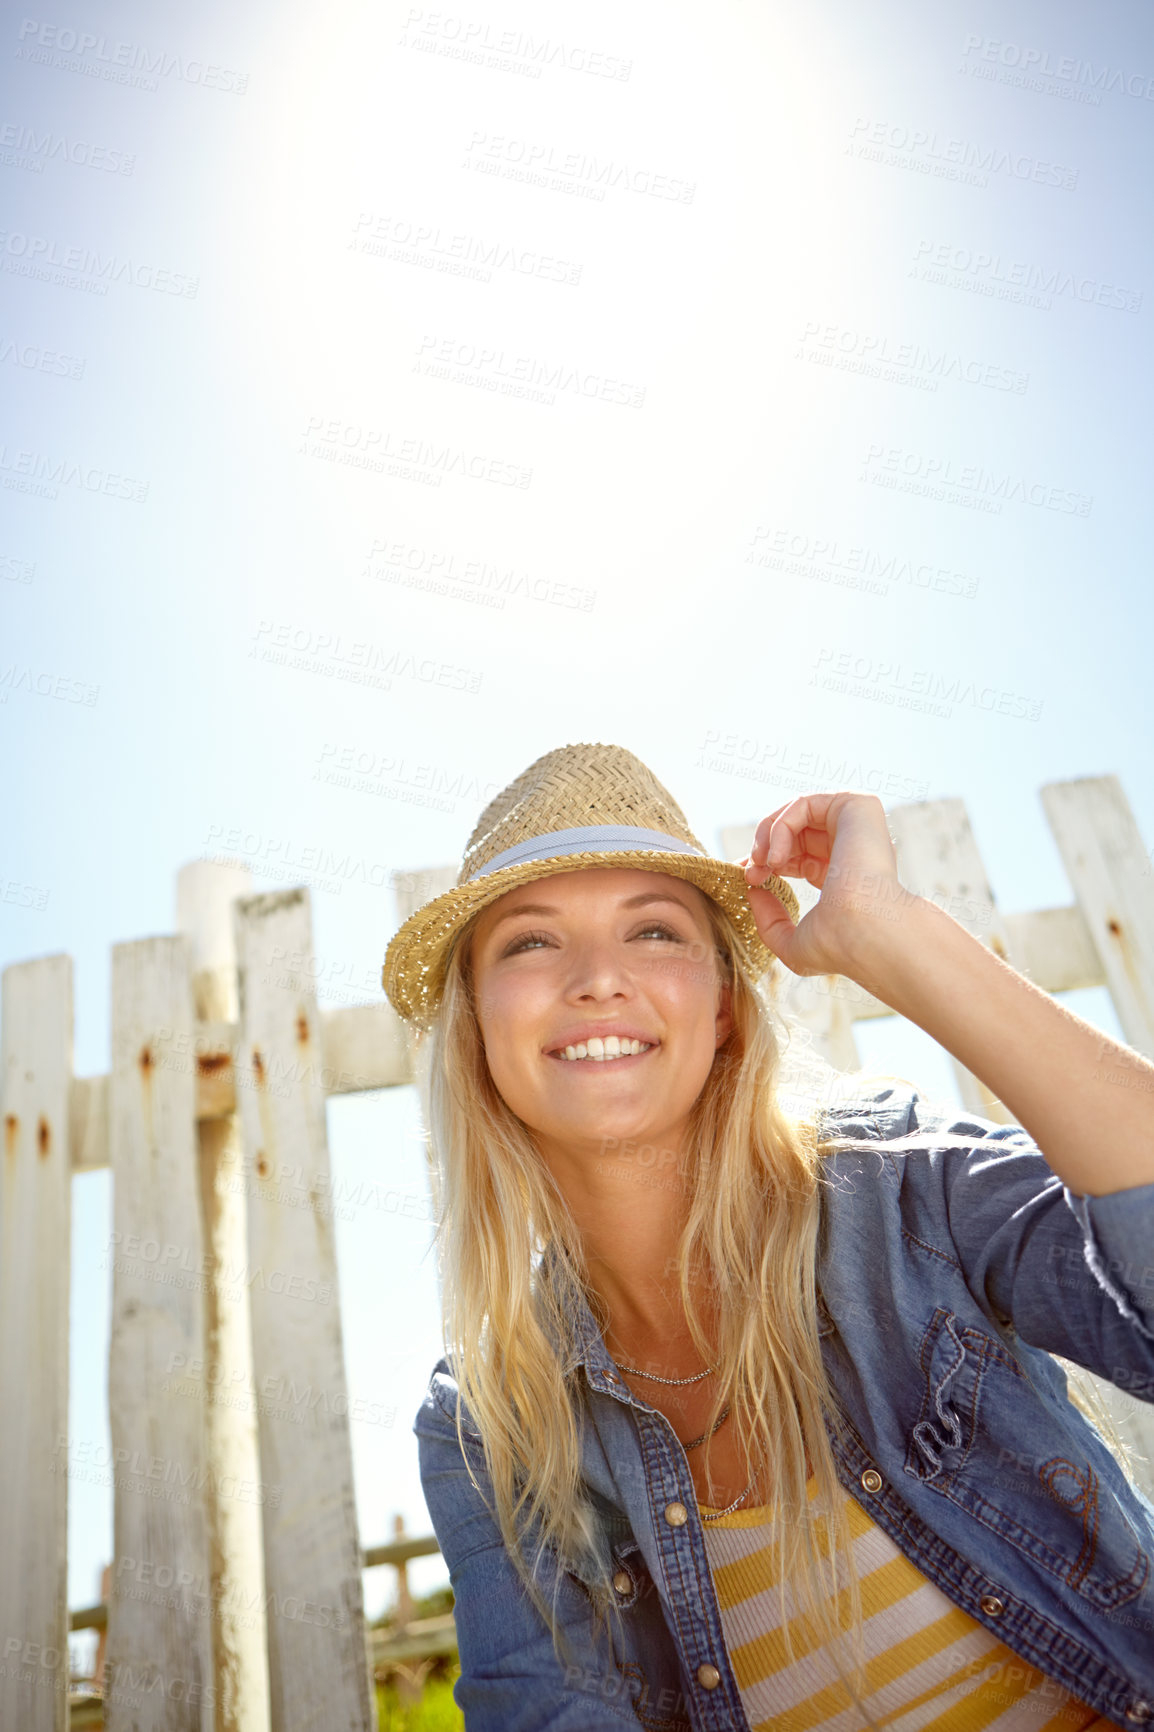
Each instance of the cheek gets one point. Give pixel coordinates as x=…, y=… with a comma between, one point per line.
x=686, y=992
x=507, y=1036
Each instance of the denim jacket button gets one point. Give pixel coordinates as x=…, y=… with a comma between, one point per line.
x=992, y=1606
x=676, y=1515
x=1139, y=1712
x=708, y=1677
x=872, y=1479
x=622, y=1582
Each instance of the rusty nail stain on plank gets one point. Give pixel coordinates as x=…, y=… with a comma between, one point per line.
x=302, y=1028
x=258, y=1066
x=146, y=1059
x=43, y=1137
x=11, y=1132
x=207, y=1063
x=1113, y=929
x=261, y=1164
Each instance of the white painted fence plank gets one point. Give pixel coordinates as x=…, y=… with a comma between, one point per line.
x=364, y=1047
x=158, y=1676
x=1054, y=948
x=1106, y=862
x=205, y=893
x=35, y=1216
x=88, y=1123
x=938, y=859
x=318, y=1660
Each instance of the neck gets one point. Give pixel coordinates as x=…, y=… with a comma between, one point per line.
x=630, y=1219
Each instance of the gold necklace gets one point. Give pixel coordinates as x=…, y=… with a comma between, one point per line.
x=634, y=1371
x=714, y=1428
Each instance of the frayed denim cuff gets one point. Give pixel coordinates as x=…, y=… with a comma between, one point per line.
x=1118, y=1242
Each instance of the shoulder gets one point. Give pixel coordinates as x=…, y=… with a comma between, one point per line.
x=894, y=1111
x=925, y=1150
x=437, y=1413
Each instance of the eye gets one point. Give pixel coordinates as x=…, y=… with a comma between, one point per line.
x=657, y=929
x=525, y=941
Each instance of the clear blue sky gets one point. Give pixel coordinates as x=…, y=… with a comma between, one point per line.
x=608, y=316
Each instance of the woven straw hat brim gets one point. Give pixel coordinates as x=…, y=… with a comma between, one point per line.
x=413, y=975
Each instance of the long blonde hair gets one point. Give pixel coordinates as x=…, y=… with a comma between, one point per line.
x=752, y=1174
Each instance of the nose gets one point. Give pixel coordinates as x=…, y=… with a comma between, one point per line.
x=597, y=974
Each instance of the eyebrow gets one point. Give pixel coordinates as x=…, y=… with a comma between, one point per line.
x=641, y=901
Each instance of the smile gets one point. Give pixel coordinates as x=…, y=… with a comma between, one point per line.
x=601, y=1051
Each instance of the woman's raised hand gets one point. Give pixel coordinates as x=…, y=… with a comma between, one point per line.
x=840, y=843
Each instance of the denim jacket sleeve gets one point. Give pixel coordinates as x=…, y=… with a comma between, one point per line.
x=511, y=1679
x=1073, y=1275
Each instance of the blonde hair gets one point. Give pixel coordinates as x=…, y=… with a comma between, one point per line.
x=751, y=1172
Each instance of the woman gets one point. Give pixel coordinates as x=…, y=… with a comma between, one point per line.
x=749, y=1416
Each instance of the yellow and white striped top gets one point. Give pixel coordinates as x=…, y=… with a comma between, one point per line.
x=930, y=1667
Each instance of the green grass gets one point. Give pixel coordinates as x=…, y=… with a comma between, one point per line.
x=435, y=1712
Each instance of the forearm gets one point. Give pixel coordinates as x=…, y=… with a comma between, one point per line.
x=1086, y=1100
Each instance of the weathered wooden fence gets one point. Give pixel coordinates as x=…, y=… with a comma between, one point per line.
x=236, y=1599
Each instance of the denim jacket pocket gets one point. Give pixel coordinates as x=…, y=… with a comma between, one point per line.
x=972, y=1443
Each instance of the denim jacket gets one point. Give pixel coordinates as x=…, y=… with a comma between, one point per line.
x=947, y=1277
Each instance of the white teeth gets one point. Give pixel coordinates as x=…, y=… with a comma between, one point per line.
x=605, y=1051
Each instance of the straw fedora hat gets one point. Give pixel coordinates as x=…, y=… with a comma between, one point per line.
x=577, y=807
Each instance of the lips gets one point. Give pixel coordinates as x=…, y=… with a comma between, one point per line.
x=607, y=1049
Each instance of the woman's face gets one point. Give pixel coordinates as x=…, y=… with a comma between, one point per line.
x=578, y=963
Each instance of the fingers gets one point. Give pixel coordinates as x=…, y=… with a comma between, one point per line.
x=793, y=834
x=774, y=924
